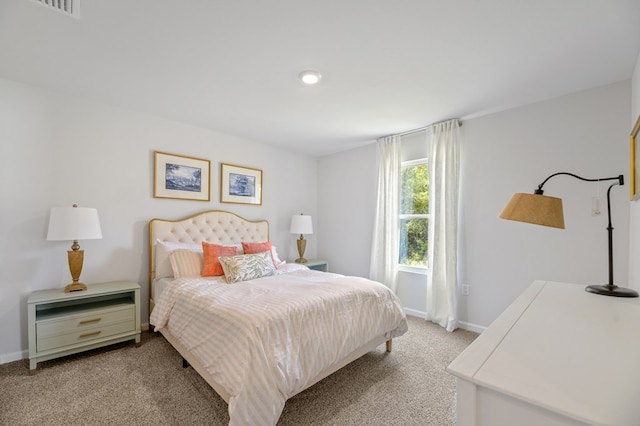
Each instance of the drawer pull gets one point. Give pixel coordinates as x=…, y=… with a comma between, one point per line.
x=91, y=321
x=95, y=333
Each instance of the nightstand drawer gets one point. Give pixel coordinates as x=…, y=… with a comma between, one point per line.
x=54, y=333
x=53, y=342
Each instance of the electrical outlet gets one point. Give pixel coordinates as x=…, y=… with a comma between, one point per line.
x=465, y=289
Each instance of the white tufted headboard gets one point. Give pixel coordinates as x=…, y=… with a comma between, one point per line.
x=214, y=226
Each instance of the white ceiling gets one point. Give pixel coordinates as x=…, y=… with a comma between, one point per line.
x=388, y=66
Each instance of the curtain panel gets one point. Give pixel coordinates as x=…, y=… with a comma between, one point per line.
x=444, y=180
x=386, y=239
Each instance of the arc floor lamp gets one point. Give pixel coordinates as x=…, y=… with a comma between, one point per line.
x=543, y=210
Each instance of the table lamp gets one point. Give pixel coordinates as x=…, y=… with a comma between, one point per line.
x=540, y=209
x=301, y=224
x=74, y=223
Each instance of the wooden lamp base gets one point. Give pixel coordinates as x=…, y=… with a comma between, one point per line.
x=76, y=258
x=75, y=287
x=302, y=245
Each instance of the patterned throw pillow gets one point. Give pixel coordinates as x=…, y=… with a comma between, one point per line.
x=211, y=253
x=186, y=263
x=247, y=266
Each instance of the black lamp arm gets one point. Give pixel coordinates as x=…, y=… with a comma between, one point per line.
x=619, y=178
x=609, y=289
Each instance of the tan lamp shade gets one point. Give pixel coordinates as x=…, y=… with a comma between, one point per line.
x=536, y=209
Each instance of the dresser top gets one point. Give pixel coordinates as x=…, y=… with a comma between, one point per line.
x=561, y=348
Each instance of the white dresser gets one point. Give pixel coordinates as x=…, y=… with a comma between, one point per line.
x=557, y=356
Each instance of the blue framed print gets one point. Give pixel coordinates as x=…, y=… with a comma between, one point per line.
x=181, y=177
x=240, y=185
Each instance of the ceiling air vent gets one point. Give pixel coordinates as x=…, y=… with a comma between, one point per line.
x=67, y=7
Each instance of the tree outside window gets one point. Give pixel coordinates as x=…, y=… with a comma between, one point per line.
x=414, y=213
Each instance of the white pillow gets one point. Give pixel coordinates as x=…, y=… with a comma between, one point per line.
x=247, y=266
x=287, y=268
x=164, y=249
x=186, y=263
x=276, y=259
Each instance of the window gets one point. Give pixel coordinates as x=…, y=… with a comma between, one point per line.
x=414, y=214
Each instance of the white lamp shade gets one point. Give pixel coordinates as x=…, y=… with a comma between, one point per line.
x=301, y=224
x=74, y=223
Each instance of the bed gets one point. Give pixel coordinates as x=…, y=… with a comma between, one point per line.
x=259, y=341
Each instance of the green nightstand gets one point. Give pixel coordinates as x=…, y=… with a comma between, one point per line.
x=317, y=265
x=66, y=323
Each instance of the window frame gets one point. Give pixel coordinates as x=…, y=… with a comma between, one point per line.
x=402, y=267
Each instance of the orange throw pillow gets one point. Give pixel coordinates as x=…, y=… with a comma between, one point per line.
x=253, y=248
x=210, y=254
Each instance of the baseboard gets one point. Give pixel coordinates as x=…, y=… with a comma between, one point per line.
x=471, y=327
x=415, y=313
x=15, y=356
x=461, y=324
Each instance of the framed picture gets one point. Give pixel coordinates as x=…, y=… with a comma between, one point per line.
x=240, y=185
x=633, y=156
x=181, y=177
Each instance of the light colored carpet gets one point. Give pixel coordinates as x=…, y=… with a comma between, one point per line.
x=124, y=385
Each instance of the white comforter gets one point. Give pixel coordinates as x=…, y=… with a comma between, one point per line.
x=265, y=340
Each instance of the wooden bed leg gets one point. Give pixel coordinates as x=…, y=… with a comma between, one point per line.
x=389, y=345
x=185, y=363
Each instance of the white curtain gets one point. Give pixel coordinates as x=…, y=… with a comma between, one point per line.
x=385, y=250
x=444, y=172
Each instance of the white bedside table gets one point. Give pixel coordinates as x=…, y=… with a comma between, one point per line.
x=66, y=323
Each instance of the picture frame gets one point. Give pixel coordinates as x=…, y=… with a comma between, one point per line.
x=633, y=157
x=240, y=185
x=181, y=177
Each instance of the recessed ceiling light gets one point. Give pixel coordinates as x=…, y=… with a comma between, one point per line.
x=310, y=77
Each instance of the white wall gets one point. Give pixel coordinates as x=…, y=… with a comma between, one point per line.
x=585, y=133
x=58, y=150
x=346, y=202
x=634, y=206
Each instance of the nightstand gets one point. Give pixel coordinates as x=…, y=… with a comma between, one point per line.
x=317, y=265
x=66, y=323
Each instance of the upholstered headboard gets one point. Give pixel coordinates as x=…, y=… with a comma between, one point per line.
x=214, y=226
